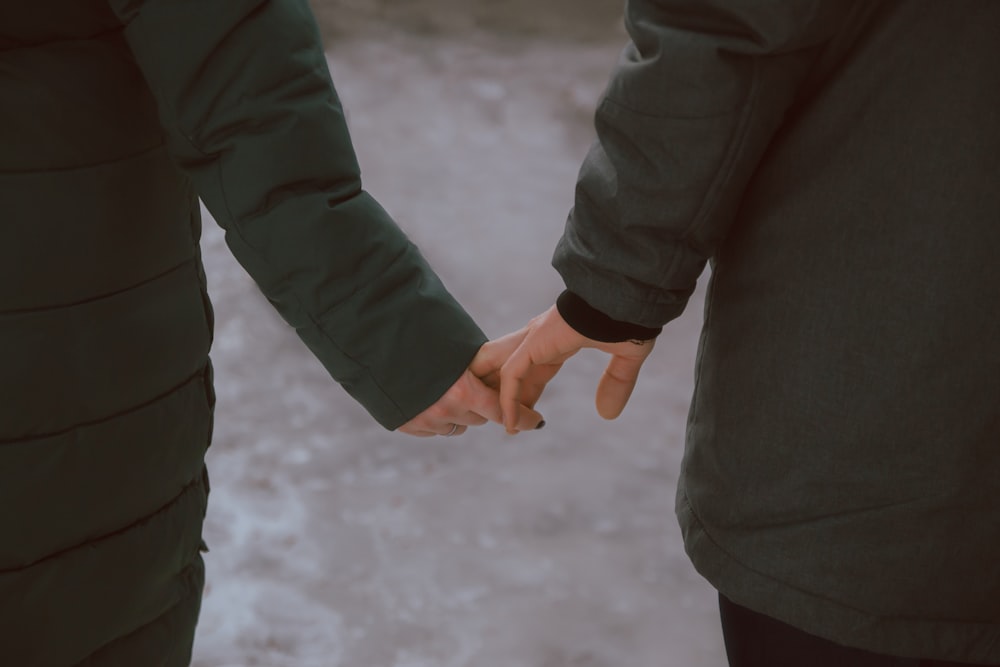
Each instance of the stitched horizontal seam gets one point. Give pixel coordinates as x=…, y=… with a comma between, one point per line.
x=92, y=165
x=797, y=589
x=121, y=413
x=62, y=40
x=191, y=592
x=712, y=540
x=142, y=283
x=197, y=481
x=676, y=116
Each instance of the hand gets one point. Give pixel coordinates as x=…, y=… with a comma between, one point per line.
x=529, y=358
x=469, y=402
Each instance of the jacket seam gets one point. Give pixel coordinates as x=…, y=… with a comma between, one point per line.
x=700, y=355
x=781, y=582
x=724, y=551
x=671, y=116
x=41, y=44
x=82, y=167
x=185, y=575
x=99, y=297
x=312, y=318
x=121, y=413
x=197, y=481
x=736, y=149
x=235, y=228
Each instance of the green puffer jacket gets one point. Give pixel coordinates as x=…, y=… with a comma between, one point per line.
x=105, y=325
x=840, y=163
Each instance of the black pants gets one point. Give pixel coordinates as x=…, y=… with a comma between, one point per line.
x=755, y=640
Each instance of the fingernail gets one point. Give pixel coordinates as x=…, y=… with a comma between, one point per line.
x=541, y=425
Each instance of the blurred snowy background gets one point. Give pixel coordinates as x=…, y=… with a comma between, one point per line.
x=338, y=544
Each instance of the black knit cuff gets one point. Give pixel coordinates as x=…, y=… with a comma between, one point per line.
x=595, y=325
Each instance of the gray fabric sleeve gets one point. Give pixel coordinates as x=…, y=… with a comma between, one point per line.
x=689, y=111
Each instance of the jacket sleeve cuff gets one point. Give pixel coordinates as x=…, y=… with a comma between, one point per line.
x=595, y=325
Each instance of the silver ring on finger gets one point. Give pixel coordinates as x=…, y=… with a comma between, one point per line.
x=454, y=427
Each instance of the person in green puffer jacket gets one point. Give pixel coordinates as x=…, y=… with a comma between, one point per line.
x=116, y=116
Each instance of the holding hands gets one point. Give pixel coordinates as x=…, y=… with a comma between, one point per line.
x=509, y=374
x=469, y=402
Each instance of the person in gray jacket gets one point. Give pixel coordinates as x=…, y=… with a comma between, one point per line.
x=838, y=163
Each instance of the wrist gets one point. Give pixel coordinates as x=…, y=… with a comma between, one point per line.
x=595, y=325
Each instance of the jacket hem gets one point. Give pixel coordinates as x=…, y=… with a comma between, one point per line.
x=970, y=642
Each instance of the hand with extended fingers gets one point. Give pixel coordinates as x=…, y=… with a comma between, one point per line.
x=469, y=402
x=523, y=362
x=508, y=375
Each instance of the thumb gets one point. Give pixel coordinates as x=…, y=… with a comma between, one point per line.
x=616, y=385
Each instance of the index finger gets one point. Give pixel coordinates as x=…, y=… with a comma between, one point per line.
x=492, y=355
x=511, y=377
x=484, y=402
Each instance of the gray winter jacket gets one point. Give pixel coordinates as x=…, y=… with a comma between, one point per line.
x=839, y=164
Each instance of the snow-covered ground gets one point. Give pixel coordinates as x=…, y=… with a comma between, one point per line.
x=337, y=544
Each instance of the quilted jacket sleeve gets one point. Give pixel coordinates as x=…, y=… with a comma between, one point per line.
x=251, y=114
x=696, y=97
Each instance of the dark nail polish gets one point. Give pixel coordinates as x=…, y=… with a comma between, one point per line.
x=541, y=424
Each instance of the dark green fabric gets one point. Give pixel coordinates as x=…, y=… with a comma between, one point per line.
x=839, y=162
x=253, y=118
x=106, y=395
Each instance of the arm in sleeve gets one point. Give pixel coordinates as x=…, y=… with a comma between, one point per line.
x=689, y=111
x=251, y=114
